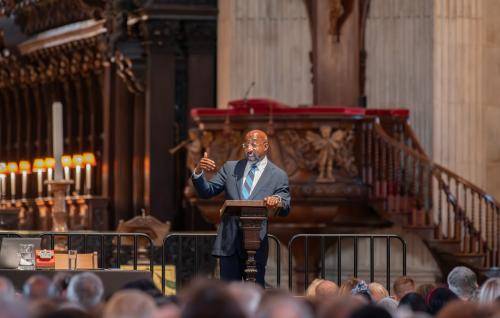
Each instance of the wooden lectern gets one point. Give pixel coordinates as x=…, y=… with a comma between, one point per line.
x=252, y=213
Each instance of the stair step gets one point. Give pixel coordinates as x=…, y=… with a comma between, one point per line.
x=444, y=245
x=475, y=260
x=426, y=232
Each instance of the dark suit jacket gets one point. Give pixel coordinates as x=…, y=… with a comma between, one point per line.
x=229, y=179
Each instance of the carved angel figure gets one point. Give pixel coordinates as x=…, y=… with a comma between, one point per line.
x=333, y=149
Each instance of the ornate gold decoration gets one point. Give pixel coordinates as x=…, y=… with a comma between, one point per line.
x=332, y=148
x=336, y=11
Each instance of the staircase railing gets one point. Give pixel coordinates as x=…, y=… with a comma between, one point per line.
x=427, y=195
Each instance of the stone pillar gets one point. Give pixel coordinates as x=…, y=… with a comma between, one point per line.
x=490, y=93
x=427, y=56
x=399, y=68
x=266, y=42
x=458, y=141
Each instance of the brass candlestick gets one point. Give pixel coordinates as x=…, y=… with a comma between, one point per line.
x=59, y=213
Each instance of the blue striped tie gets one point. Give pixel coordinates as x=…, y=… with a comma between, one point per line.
x=247, y=185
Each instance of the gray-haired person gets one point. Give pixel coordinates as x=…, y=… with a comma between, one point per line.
x=85, y=289
x=463, y=282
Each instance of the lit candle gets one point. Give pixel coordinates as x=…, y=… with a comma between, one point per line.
x=49, y=163
x=66, y=163
x=13, y=168
x=39, y=167
x=77, y=162
x=89, y=161
x=57, y=137
x=25, y=168
x=3, y=182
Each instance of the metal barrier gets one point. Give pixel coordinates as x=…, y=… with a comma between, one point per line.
x=82, y=244
x=197, y=236
x=340, y=237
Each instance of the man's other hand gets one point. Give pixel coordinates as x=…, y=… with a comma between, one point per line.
x=205, y=164
x=272, y=202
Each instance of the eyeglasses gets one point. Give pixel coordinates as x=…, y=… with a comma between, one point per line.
x=253, y=145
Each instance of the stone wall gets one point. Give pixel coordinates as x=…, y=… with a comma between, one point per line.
x=429, y=56
x=266, y=42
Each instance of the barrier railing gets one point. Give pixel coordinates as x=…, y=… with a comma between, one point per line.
x=80, y=241
x=196, y=237
x=339, y=237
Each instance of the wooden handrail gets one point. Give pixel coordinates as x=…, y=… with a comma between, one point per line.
x=401, y=171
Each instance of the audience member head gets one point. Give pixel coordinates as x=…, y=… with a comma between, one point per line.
x=414, y=301
x=377, y=291
x=145, y=285
x=326, y=289
x=347, y=286
x=247, y=295
x=41, y=307
x=59, y=285
x=13, y=309
x=425, y=289
x=68, y=313
x=389, y=304
x=284, y=305
x=370, y=311
x=361, y=290
x=340, y=307
x=463, y=282
x=130, y=304
x=85, y=289
x=7, y=291
x=402, y=286
x=36, y=287
x=490, y=291
x=167, y=307
x=466, y=309
x=311, y=289
x=210, y=299
x=438, y=298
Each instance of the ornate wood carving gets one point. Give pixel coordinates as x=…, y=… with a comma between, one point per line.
x=34, y=16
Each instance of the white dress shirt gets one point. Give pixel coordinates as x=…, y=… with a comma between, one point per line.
x=261, y=165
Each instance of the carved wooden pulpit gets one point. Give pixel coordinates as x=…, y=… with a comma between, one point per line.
x=252, y=213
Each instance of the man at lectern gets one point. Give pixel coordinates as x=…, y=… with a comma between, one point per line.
x=252, y=178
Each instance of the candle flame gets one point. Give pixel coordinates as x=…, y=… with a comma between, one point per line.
x=77, y=160
x=89, y=158
x=12, y=167
x=38, y=165
x=49, y=162
x=24, y=166
x=66, y=161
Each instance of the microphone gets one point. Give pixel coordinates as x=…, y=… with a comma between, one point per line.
x=245, y=97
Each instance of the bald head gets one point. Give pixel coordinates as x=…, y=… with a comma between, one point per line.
x=255, y=145
x=326, y=289
x=257, y=135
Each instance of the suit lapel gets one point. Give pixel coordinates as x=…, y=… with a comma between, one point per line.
x=264, y=179
x=239, y=170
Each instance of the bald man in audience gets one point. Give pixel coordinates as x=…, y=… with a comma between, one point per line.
x=327, y=289
x=37, y=287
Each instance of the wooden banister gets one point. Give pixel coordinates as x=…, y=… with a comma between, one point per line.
x=399, y=170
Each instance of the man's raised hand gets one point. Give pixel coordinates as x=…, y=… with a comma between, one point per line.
x=205, y=164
